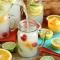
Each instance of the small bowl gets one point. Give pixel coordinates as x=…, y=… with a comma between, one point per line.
x=55, y=43
x=54, y=23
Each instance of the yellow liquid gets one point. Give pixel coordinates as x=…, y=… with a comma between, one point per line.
x=2, y=20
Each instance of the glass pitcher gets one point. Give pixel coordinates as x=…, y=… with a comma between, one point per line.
x=14, y=15
x=5, y=6
x=10, y=15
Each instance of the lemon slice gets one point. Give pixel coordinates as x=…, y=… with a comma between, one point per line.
x=35, y=10
x=55, y=43
x=47, y=58
x=5, y=55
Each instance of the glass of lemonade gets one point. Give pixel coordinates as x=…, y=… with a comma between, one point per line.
x=35, y=10
x=27, y=39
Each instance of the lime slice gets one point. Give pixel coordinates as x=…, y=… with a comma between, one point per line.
x=47, y=58
x=9, y=46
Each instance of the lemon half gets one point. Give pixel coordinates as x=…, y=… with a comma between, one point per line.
x=56, y=43
x=5, y=55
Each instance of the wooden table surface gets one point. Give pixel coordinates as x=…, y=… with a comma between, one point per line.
x=16, y=56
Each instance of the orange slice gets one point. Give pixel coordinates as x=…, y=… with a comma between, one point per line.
x=29, y=45
x=5, y=55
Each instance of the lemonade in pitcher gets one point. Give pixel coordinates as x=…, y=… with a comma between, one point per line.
x=5, y=6
x=27, y=39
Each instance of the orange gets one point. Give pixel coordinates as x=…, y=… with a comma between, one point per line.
x=29, y=45
x=5, y=55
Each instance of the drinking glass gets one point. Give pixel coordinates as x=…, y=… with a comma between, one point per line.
x=27, y=39
x=35, y=10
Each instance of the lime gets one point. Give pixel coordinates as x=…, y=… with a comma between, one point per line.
x=47, y=58
x=9, y=46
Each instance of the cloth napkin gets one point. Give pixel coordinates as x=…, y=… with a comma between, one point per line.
x=11, y=38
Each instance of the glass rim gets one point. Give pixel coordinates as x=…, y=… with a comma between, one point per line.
x=26, y=30
x=52, y=16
